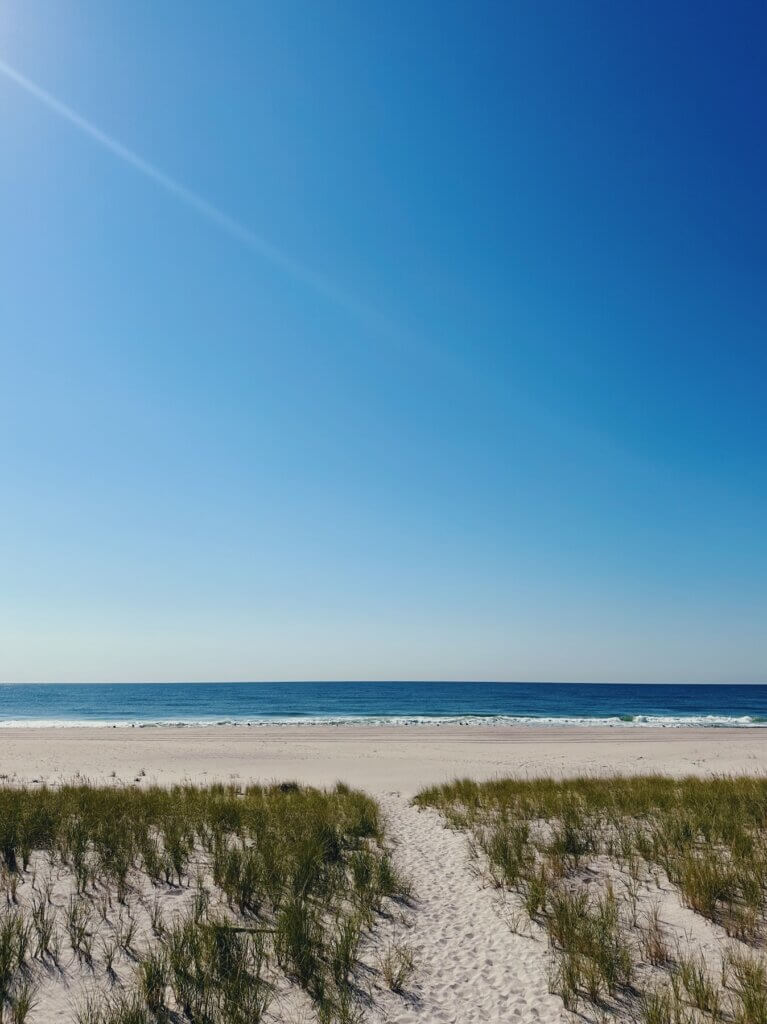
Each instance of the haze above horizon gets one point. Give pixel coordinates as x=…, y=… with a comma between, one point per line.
x=373, y=342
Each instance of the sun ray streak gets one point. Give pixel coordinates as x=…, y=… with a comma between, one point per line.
x=250, y=239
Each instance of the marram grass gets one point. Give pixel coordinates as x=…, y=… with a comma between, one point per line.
x=278, y=882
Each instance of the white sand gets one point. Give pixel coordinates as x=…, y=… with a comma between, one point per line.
x=376, y=758
x=471, y=967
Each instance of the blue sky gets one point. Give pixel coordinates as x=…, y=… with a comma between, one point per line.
x=471, y=383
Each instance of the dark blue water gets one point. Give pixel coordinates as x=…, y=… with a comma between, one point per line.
x=493, y=703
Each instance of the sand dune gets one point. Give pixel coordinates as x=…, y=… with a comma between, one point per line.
x=470, y=964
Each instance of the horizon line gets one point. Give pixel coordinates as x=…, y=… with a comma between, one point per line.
x=373, y=682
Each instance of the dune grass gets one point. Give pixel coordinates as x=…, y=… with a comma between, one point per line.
x=550, y=841
x=278, y=882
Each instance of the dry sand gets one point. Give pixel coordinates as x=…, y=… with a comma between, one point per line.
x=379, y=759
x=471, y=966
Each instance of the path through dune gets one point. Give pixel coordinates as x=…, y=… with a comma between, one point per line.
x=471, y=967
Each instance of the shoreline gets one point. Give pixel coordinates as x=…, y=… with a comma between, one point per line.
x=387, y=758
x=405, y=721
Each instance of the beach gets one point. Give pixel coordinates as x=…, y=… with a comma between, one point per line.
x=472, y=962
x=379, y=759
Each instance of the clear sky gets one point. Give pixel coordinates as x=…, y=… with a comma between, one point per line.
x=383, y=340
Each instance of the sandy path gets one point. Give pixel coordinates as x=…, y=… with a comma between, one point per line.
x=470, y=966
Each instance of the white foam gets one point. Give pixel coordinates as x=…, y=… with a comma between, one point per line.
x=468, y=721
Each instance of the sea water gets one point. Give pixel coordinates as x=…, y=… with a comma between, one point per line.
x=378, y=703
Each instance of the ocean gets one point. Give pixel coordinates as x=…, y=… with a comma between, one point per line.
x=373, y=703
